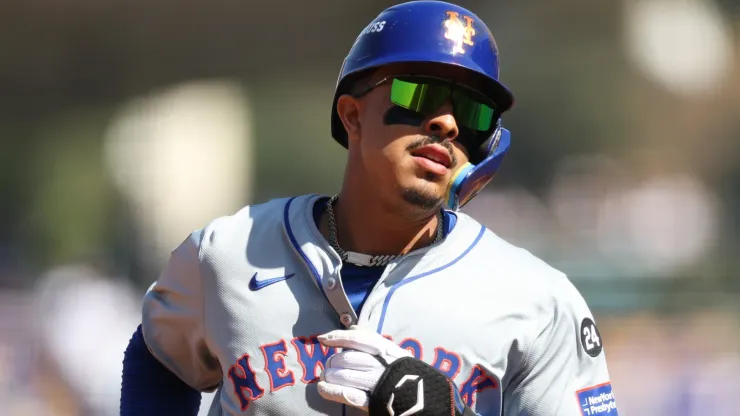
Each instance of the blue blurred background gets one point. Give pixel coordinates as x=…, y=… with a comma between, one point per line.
x=124, y=125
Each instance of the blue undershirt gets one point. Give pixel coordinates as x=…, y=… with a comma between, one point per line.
x=150, y=389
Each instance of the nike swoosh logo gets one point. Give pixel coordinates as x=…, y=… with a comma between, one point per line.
x=255, y=284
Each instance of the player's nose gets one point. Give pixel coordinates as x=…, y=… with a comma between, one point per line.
x=442, y=123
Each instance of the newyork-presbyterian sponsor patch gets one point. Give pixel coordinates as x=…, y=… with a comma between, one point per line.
x=597, y=400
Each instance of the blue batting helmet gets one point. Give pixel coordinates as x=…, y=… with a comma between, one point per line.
x=423, y=31
x=441, y=33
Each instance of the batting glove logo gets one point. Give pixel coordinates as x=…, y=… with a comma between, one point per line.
x=416, y=408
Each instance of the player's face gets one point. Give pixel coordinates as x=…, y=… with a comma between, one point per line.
x=407, y=153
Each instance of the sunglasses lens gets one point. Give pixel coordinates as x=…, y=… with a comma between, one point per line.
x=471, y=113
x=421, y=97
x=426, y=97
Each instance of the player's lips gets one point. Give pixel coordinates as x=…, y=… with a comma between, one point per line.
x=433, y=157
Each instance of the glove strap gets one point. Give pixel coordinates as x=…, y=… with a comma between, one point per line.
x=412, y=387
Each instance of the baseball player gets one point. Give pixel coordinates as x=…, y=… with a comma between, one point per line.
x=384, y=298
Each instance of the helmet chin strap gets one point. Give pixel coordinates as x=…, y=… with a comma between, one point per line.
x=470, y=179
x=453, y=188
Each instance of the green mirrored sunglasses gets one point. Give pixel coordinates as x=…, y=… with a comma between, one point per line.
x=425, y=95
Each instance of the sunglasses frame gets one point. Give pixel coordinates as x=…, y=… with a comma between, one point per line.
x=472, y=93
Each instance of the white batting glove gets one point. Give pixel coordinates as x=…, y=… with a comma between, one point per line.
x=352, y=374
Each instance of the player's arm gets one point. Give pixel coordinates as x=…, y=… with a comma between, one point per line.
x=168, y=361
x=150, y=389
x=564, y=371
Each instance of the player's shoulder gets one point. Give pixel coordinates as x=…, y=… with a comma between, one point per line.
x=518, y=268
x=507, y=258
x=255, y=222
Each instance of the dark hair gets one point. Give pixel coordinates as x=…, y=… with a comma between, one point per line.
x=359, y=83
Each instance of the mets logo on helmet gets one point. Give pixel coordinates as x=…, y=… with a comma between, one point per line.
x=458, y=32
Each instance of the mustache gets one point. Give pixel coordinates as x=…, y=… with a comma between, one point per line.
x=428, y=140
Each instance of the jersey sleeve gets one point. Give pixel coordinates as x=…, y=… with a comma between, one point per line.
x=173, y=319
x=564, y=371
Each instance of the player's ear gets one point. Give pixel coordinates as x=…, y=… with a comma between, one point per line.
x=348, y=109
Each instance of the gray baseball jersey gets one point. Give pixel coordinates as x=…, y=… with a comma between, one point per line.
x=240, y=303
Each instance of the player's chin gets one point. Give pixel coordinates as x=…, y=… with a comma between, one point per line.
x=424, y=194
x=423, y=179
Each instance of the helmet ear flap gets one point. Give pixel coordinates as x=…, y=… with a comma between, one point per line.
x=470, y=179
x=489, y=145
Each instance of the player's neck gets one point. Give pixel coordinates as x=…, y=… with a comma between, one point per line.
x=366, y=225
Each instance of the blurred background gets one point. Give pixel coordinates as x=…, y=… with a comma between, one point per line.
x=126, y=125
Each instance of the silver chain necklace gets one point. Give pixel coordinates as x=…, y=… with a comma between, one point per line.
x=361, y=259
